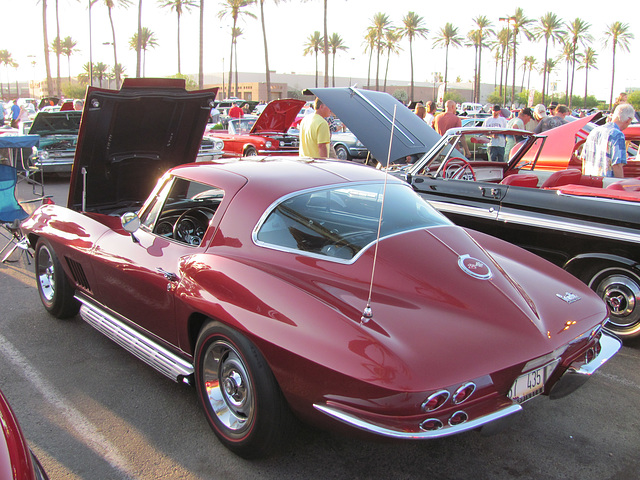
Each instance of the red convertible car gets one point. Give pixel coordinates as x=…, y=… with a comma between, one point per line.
x=338, y=296
x=266, y=135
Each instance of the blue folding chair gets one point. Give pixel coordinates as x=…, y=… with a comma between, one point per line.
x=12, y=214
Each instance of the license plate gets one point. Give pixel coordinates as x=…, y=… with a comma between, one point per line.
x=531, y=384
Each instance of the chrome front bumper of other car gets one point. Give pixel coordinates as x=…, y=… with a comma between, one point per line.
x=573, y=378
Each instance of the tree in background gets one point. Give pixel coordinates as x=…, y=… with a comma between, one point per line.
x=589, y=60
x=619, y=35
x=412, y=28
x=380, y=23
x=519, y=23
x=111, y=4
x=335, y=43
x=236, y=9
x=578, y=32
x=68, y=48
x=392, y=38
x=314, y=44
x=178, y=6
x=549, y=27
x=146, y=41
x=447, y=37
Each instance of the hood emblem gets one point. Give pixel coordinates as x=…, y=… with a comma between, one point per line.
x=568, y=297
x=474, y=267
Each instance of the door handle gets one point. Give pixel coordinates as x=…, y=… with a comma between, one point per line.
x=172, y=277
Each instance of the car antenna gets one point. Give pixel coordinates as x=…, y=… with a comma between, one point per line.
x=367, y=314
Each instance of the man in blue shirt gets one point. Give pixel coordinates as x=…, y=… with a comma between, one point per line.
x=15, y=114
x=605, y=153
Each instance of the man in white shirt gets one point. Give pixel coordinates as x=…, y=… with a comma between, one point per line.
x=497, y=143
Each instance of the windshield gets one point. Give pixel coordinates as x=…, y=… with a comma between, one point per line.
x=341, y=221
x=241, y=126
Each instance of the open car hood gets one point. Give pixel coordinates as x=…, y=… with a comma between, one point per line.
x=56, y=123
x=277, y=116
x=129, y=138
x=369, y=115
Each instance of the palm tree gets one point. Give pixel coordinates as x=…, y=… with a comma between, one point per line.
x=68, y=49
x=483, y=31
x=380, y=24
x=57, y=50
x=266, y=50
x=392, y=37
x=446, y=37
x=502, y=44
x=589, y=61
x=234, y=9
x=567, y=55
x=578, y=31
x=519, y=23
x=335, y=43
x=551, y=65
x=110, y=4
x=56, y=47
x=46, y=47
x=619, y=35
x=314, y=45
x=369, y=45
x=178, y=6
x=100, y=71
x=529, y=63
x=412, y=27
x=474, y=38
x=201, y=47
x=550, y=28
x=146, y=40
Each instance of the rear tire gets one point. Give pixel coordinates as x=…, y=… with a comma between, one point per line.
x=250, y=152
x=56, y=292
x=342, y=153
x=619, y=287
x=240, y=396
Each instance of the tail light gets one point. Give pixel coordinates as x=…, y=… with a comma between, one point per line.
x=463, y=393
x=435, y=401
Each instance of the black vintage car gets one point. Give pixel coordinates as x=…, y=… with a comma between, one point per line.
x=587, y=225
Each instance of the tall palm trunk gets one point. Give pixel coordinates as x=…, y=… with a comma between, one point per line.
x=235, y=59
x=613, y=74
x=233, y=29
x=544, y=74
x=369, y=69
x=266, y=52
x=115, y=55
x=178, y=13
x=201, y=48
x=326, y=48
x=46, y=47
x=586, y=81
x=139, y=45
x=411, y=57
x=446, y=71
x=58, y=88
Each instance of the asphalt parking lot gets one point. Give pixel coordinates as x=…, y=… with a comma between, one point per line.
x=90, y=410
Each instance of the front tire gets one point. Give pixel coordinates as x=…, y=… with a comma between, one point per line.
x=56, y=292
x=250, y=152
x=240, y=396
x=619, y=287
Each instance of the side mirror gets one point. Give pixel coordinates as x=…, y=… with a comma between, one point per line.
x=130, y=222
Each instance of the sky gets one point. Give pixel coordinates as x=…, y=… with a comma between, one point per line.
x=289, y=24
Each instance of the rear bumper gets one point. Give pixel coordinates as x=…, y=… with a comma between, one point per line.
x=575, y=377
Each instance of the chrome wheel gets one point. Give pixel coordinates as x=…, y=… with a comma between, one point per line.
x=342, y=153
x=45, y=272
x=620, y=288
x=229, y=389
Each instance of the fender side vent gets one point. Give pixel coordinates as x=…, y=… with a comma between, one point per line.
x=78, y=273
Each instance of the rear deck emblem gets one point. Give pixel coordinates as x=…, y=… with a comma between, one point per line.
x=568, y=297
x=474, y=267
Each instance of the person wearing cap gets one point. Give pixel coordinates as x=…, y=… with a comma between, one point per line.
x=605, y=152
x=552, y=108
x=539, y=112
x=498, y=142
x=557, y=119
x=520, y=122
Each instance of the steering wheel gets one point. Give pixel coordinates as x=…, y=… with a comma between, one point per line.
x=190, y=227
x=455, y=167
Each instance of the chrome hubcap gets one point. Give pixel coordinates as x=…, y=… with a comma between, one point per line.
x=228, y=387
x=45, y=274
x=622, y=294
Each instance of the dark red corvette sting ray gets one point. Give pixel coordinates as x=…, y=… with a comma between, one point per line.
x=263, y=283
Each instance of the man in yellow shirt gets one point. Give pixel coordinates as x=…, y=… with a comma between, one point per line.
x=315, y=136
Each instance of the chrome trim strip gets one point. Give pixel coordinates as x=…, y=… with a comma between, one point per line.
x=609, y=346
x=566, y=226
x=561, y=225
x=150, y=352
x=354, y=421
x=490, y=213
